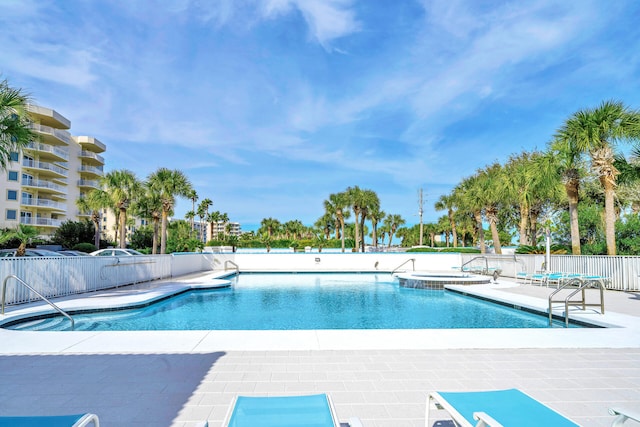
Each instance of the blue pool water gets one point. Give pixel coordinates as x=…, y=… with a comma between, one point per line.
x=306, y=301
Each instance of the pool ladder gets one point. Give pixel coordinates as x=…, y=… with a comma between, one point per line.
x=581, y=285
x=237, y=267
x=412, y=260
x=4, y=294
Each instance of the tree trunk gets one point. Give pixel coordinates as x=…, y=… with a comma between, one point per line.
x=524, y=222
x=479, y=231
x=454, y=232
x=163, y=233
x=609, y=215
x=154, y=249
x=495, y=236
x=342, y=232
x=571, y=187
x=123, y=228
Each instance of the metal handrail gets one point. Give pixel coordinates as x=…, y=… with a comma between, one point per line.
x=4, y=293
x=581, y=284
x=413, y=260
x=234, y=264
x=486, y=263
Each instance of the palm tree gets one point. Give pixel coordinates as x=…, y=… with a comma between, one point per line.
x=392, y=222
x=336, y=206
x=122, y=187
x=370, y=202
x=490, y=192
x=447, y=202
x=271, y=225
x=375, y=216
x=326, y=224
x=193, y=196
x=94, y=202
x=360, y=202
x=213, y=219
x=596, y=131
x=15, y=126
x=24, y=233
x=149, y=206
x=168, y=184
x=203, y=212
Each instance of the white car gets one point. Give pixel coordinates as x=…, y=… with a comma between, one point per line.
x=115, y=252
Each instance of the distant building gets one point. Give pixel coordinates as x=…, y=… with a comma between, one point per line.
x=221, y=229
x=41, y=184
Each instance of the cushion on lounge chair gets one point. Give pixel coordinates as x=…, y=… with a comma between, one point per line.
x=79, y=420
x=285, y=411
x=508, y=407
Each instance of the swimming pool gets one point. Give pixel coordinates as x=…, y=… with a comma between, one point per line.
x=284, y=301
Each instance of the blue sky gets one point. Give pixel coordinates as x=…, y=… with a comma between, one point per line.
x=269, y=106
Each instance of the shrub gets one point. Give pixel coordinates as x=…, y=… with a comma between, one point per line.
x=84, y=247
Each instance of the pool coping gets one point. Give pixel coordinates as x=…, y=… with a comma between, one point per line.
x=623, y=330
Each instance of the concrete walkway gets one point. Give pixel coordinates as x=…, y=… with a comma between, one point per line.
x=147, y=379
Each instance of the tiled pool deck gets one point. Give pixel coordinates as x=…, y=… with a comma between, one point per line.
x=383, y=377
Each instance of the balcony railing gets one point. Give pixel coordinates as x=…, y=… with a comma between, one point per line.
x=48, y=112
x=45, y=203
x=62, y=135
x=40, y=183
x=62, y=153
x=92, y=155
x=41, y=222
x=89, y=183
x=45, y=166
x=91, y=169
x=91, y=143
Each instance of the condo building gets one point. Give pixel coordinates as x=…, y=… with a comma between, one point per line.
x=41, y=185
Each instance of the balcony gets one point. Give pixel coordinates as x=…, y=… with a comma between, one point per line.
x=44, y=203
x=45, y=168
x=90, y=143
x=43, y=185
x=92, y=157
x=41, y=222
x=91, y=170
x=51, y=135
x=89, y=183
x=49, y=151
x=49, y=117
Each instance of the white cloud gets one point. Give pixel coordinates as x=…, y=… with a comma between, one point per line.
x=328, y=20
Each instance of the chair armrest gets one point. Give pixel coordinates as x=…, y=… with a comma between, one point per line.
x=623, y=415
x=484, y=420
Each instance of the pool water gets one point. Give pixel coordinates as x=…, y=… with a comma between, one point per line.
x=305, y=301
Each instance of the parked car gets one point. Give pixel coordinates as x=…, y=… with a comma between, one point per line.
x=29, y=253
x=73, y=253
x=115, y=252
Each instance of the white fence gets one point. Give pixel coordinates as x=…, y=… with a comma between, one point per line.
x=61, y=276
x=622, y=272
x=54, y=277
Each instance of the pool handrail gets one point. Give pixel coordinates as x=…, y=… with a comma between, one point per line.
x=232, y=263
x=413, y=260
x=581, y=284
x=45, y=299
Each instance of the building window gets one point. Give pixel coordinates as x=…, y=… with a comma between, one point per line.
x=12, y=214
x=13, y=176
x=104, y=227
x=13, y=156
x=12, y=195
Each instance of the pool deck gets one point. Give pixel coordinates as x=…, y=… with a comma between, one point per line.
x=176, y=378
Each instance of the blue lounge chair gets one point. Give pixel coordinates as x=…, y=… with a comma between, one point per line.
x=623, y=415
x=79, y=420
x=497, y=408
x=284, y=411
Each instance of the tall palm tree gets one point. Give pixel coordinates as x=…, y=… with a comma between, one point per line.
x=447, y=202
x=326, y=224
x=122, y=187
x=336, y=205
x=15, y=125
x=203, y=212
x=392, y=222
x=490, y=192
x=213, y=218
x=596, y=131
x=168, y=184
x=370, y=201
x=375, y=216
x=94, y=202
x=469, y=202
x=193, y=196
x=149, y=206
